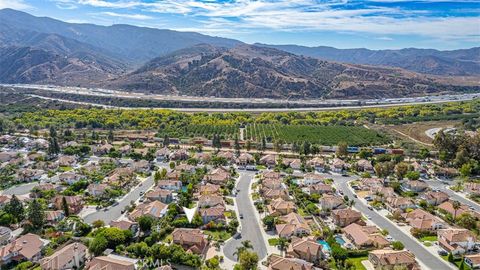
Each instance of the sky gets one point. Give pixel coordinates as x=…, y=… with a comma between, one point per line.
x=373, y=24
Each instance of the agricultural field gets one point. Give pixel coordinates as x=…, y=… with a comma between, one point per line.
x=416, y=131
x=201, y=131
x=316, y=134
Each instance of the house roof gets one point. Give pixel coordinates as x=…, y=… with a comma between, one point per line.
x=305, y=246
x=109, y=263
x=393, y=257
x=27, y=246
x=279, y=263
x=61, y=258
x=154, y=209
x=453, y=235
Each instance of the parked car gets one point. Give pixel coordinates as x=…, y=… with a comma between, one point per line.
x=442, y=252
x=241, y=216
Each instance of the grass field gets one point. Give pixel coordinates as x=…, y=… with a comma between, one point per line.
x=316, y=134
x=357, y=262
x=416, y=131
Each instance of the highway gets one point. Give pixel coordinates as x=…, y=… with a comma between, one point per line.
x=318, y=104
x=430, y=260
x=250, y=226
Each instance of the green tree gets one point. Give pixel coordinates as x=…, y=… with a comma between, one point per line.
x=455, y=205
x=166, y=141
x=248, y=260
x=282, y=244
x=110, y=136
x=145, y=223
x=36, y=214
x=401, y=169
x=98, y=223
x=269, y=221
x=342, y=149
x=412, y=175
x=467, y=221
x=15, y=208
x=65, y=207
x=98, y=245
x=397, y=245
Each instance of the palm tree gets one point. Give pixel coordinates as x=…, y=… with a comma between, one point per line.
x=456, y=205
x=245, y=246
x=282, y=244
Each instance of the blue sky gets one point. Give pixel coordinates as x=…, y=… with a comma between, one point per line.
x=375, y=24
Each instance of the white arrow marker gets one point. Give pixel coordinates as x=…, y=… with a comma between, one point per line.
x=190, y=212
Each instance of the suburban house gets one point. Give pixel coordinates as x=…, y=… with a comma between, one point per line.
x=75, y=203
x=219, y=176
x=311, y=179
x=292, y=225
x=472, y=188
x=97, y=190
x=434, y=197
x=272, y=183
x=210, y=201
x=26, y=247
x=277, y=262
x=70, y=177
x=272, y=194
x=345, y=217
x=202, y=157
x=319, y=188
x=457, y=241
x=338, y=165
x=365, y=236
x=364, y=165
x=391, y=259
x=209, y=189
x=394, y=204
x=192, y=240
x=110, y=263
x=155, y=209
x=185, y=168
x=414, y=185
x=215, y=213
x=173, y=185
x=422, y=220
x=121, y=177
x=102, y=149
x=268, y=160
x=180, y=154
x=125, y=225
x=29, y=175
x=318, y=163
x=141, y=166
x=53, y=217
x=71, y=256
x=370, y=183
x=473, y=261
x=280, y=207
x=306, y=249
x=229, y=156
x=330, y=202
x=447, y=207
x=162, y=154
x=244, y=159
x=158, y=194
x=66, y=161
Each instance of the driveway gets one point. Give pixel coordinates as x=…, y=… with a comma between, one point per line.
x=424, y=256
x=250, y=226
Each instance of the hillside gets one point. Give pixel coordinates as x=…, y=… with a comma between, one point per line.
x=132, y=44
x=464, y=62
x=252, y=71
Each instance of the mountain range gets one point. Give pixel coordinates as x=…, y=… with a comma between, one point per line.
x=44, y=50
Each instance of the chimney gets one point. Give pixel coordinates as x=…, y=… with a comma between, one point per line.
x=76, y=255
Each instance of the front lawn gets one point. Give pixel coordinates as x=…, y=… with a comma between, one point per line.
x=432, y=238
x=357, y=262
x=457, y=262
x=273, y=242
x=218, y=235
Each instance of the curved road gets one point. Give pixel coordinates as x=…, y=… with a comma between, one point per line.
x=428, y=259
x=250, y=225
x=114, y=212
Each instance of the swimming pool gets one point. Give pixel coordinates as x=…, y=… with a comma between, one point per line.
x=325, y=245
x=339, y=239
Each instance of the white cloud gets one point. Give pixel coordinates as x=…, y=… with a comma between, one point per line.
x=126, y=16
x=298, y=15
x=14, y=4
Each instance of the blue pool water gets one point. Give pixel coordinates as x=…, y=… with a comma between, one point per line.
x=325, y=245
x=339, y=240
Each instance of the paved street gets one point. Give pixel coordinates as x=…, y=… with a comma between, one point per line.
x=114, y=212
x=20, y=189
x=453, y=195
x=250, y=225
x=428, y=259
